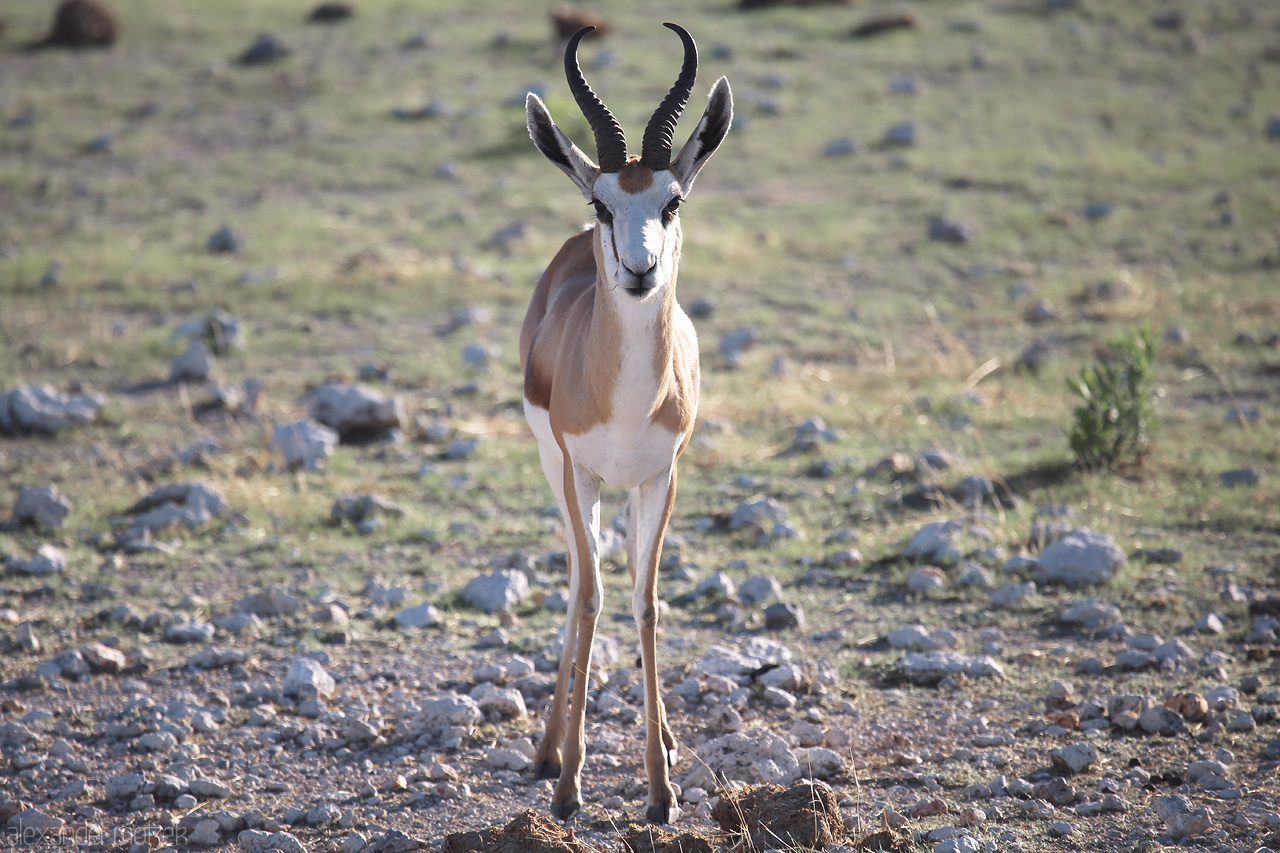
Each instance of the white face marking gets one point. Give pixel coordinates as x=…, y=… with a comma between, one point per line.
x=641, y=230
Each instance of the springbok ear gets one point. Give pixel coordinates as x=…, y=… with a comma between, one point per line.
x=707, y=136
x=557, y=147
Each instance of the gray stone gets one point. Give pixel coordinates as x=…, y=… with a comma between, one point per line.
x=41, y=506
x=42, y=409
x=1080, y=558
x=1181, y=819
x=206, y=833
x=734, y=344
x=840, y=147
x=192, y=504
x=323, y=814
x=226, y=240
x=306, y=678
x=210, y=789
x=182, y=631
x=32, y=821
x=1240, y=477
x=194, y=365
x=305, y=445
x=360, y=507
x=1011, y=595
x=272, y=601
x=945, y=230
x=758, y=589
x=357, y=412
x=1162, y=721
x=497, y=591
x=901, y=134
x=931, y=667
x=759, y=512
x=124, y=787
x=716, y=586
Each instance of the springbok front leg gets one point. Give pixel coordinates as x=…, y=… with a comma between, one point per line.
x=650, y=504
x=582, y=522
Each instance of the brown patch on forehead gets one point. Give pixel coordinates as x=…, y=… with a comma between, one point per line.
x=635, y=178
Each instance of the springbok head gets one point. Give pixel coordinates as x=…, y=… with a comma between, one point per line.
x=636, y=199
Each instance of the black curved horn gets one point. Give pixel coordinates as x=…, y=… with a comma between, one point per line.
x=655, y=152
x=611, y=145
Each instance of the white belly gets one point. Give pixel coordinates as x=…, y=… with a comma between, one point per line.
x=624, y=458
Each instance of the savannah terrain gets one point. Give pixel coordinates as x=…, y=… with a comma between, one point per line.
x=1107, y=172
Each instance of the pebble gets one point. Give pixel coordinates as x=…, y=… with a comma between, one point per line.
x=43, y=507
x=945, y=230
x=226, y=240
x=357, y=412
x=424, y=615
x=902, y=134
x=498, y=591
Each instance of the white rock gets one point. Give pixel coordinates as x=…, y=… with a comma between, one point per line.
x=507, y=703
x=424, y=615
x=819, y=762
x=304, y=444
x=934, y=543
x=191, y=504
x=1074, y=758
x=257, y=841
x=755, y=756
x=497, y=591
x=48, y=560
x=1080, y=558
x=910, y=638
x=1090, y=614
x=183, y=630
x=306, y=678
x=505, y=758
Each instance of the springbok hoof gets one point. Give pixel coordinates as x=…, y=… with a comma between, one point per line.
x=662, y=814
x=546, y=770
x=563, y=811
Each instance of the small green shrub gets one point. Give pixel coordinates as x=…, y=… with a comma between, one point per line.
x=1117, y=406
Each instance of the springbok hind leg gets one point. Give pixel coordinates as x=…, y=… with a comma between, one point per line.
x=651, y=504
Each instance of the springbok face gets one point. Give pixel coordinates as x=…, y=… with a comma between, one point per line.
x=636, y=200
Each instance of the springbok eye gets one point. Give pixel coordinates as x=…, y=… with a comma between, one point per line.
x=673, y=207
x=602, y=212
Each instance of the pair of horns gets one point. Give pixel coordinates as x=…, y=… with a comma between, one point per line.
x=611, y=146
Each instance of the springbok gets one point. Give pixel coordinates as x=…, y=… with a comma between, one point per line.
x=611, y=386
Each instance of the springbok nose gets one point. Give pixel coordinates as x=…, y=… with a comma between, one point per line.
x=641, y=273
